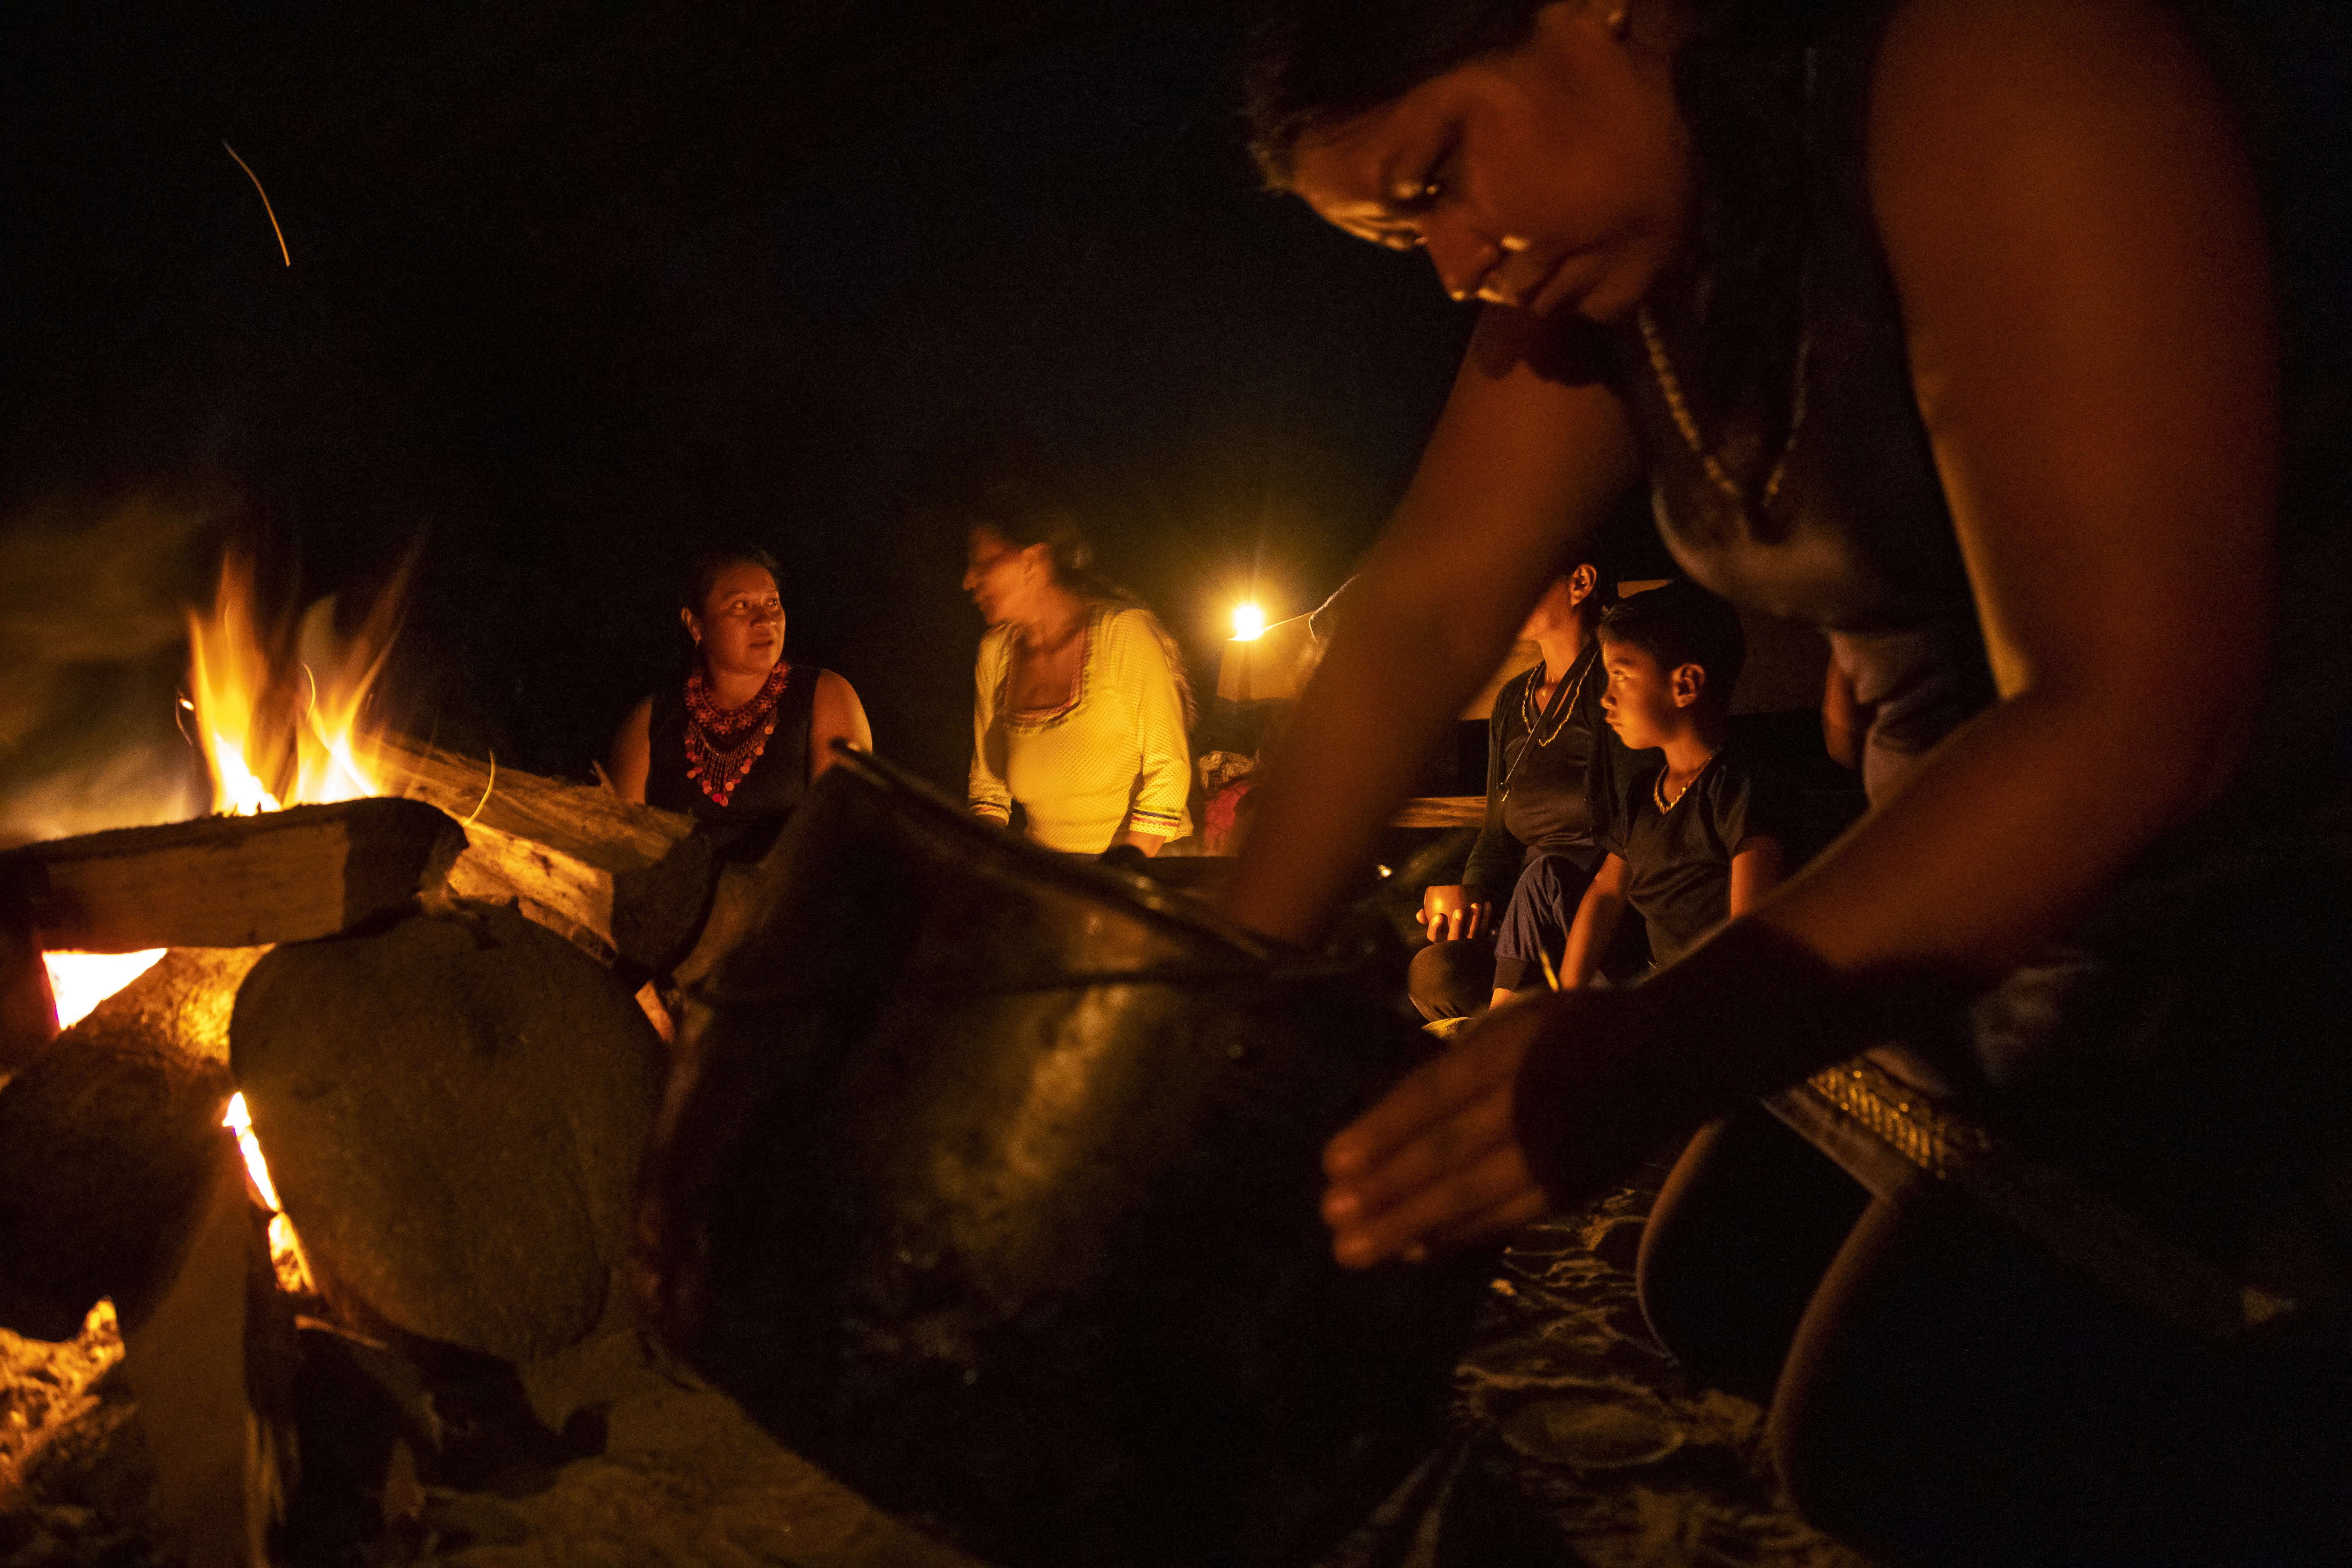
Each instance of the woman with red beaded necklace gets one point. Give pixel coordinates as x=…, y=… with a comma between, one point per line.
x=740, y=743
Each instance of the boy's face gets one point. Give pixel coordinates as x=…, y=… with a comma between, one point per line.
x=1647, y=704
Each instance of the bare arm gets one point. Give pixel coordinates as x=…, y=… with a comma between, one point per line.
x=835, y=715
x=1596, y=921
x=1844, y=724
x=633, y=753
x=2074, y=234
x=1520, y=469
x=1756, y=871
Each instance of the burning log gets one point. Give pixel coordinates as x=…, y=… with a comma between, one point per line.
x=454, y=1106
x=234, y=881
x=618, y=879
x=108, y=1140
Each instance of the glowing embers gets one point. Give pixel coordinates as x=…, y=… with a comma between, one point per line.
x=279, y=719
x=285, y=1248
x=80, y=981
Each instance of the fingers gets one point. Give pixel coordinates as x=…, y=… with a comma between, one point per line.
x=1433, y=1154
x=1428, y=1097
x=1522, y=1207
x=1488, y=1195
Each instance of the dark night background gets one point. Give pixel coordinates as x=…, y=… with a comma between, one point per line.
x=575, y=287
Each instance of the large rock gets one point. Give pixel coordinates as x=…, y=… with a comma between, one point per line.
x=454, y=1106
x=108, y=1138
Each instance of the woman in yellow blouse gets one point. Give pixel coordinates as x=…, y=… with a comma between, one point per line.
x=1081, y=704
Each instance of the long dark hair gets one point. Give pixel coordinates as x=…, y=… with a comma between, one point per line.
x=1023, y=513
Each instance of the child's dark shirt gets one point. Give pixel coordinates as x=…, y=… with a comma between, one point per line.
x=1678, y=861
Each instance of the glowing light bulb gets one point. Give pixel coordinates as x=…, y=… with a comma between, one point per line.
x=1249, y=623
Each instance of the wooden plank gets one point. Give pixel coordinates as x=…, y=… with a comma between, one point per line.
x=235, y=882
x=1442, y=811
x=219, y=1477
x=586, y=822
x=616, y=878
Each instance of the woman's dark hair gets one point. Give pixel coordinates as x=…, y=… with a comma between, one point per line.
x=701, y=572
x=1023, y=513
x=1680, y=623
x=1314, y=65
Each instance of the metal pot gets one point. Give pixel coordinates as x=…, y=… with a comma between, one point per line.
x=989, y=1180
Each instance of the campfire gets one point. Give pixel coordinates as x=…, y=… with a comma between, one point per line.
x=429, y=961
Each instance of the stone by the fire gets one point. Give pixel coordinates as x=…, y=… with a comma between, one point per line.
x=454, y=1108
x=106, y=1140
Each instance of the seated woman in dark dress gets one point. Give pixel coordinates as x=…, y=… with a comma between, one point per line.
x=2003, y=341
x=1554, y=771
x=738, y=742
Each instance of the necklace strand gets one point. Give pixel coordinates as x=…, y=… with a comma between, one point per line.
x=1535, y=737
x=1672, y=386
x=1658, y=787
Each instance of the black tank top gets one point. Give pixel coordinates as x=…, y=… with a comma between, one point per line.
x=757, y=807
x=1857, y=538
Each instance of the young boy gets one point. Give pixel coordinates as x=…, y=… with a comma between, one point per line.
x=1704, y=835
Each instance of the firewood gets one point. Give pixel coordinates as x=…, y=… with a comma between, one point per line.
x=618, y=879
x=106, y=1140
x=196, y=1352
x=28, y=1010
x=235, y=882
x=1440, y=811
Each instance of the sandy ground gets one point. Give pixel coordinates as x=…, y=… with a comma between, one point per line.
x=1574, y=1441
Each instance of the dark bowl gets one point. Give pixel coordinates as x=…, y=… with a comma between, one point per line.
x=989, y=1180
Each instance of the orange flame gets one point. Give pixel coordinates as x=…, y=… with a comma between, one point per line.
x=280, y=721
x=279, y=725
x=286, y=1253
x=283, y=726
x=80, y=981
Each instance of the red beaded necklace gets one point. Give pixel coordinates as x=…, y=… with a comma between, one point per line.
x=721, y=744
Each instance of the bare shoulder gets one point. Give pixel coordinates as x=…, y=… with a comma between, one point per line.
x=2061, y=92
x=639, y=725
x=2065, y=181
x=833, y=689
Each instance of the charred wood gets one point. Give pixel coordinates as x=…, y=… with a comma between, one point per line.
x=28, y=1008
x=108, y=1141
x=234, y=881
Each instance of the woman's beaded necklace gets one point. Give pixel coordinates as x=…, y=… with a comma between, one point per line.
x=1678, y=405
x=1563, y=703
x=722, y=743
